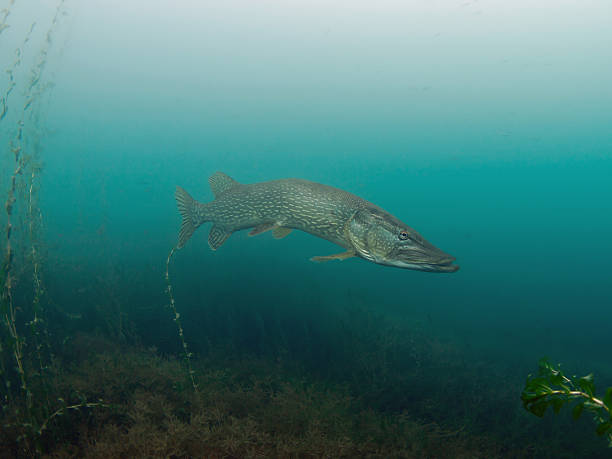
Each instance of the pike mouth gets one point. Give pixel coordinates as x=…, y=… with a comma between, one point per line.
x=443, y=263
x=447, y=267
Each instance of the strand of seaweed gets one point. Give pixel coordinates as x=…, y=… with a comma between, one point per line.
x=8, y=303
x=33, y=213
x=22, y=205
x=5, y=13
x=11, y=73
x=6, y=296
x=177, y=320
x=24, y=177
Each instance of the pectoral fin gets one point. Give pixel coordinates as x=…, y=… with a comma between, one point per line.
x=217, y=237
x=337, y=256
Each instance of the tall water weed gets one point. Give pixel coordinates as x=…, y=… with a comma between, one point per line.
x=25, y=354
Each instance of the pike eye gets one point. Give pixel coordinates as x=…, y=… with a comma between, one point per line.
x=403, y=235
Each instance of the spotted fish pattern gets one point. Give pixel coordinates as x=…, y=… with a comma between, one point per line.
x=281, y=206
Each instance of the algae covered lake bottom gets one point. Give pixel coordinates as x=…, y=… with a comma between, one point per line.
x=253, y=408
x=135, y=401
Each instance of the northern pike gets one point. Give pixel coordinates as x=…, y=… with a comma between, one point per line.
x=362, y=228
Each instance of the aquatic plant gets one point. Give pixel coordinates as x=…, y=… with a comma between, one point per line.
x=177, y=320
x=14, y=342
x=247, y=407
x=12, y=347
x=25, y=355
x=4, y=14
x=552, y=388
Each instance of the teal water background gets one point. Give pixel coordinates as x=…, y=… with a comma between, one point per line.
x=486, y=126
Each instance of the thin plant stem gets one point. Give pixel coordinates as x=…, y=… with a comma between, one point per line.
x=61, y=411
x=177, y=320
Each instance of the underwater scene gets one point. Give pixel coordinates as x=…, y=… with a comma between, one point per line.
x=306, y=228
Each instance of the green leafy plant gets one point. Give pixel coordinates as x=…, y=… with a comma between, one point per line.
x=551, y=387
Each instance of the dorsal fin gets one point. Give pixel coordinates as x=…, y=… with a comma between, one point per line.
x=220, y=183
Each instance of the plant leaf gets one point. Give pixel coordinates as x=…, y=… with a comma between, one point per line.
x=557, y=404
x=538, y=408
x=577, y=411
x=592, y=406
x=586, y=384
x=604, y=427
x=607, y=400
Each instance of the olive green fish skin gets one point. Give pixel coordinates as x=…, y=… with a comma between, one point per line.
x=362, y=228
x=317, y=209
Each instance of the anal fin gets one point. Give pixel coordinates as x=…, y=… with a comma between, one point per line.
x=280, y=232
x=337, y=256
x=262, y=228
x=217, y=237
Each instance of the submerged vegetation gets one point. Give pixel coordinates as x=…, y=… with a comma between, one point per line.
x=25, y=352
x=552, y=388
x=245, y=408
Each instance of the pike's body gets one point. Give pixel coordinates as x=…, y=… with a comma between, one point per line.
x=362, y=228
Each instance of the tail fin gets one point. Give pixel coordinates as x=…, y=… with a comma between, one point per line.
x=187, y=207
